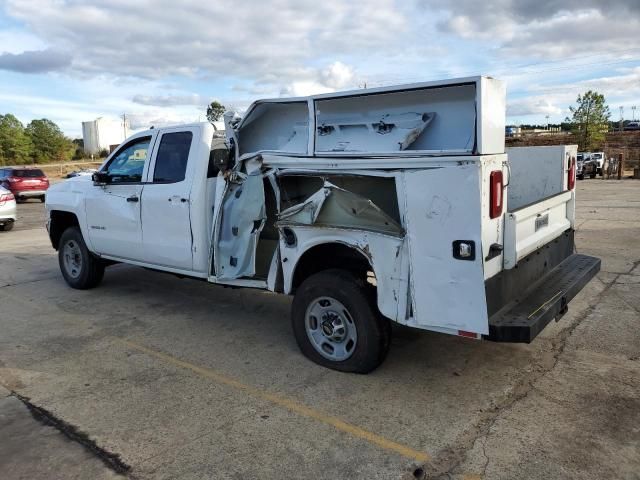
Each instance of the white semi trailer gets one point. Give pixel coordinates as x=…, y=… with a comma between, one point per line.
x=394, y=204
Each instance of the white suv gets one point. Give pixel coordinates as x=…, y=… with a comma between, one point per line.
x=7, y=209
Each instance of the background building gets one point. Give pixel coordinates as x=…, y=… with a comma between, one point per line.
x=101, y=133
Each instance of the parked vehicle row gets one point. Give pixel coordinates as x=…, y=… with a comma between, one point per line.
x=585, y=166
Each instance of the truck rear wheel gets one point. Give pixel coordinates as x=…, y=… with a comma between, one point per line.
x=337, y=324
x=79, y=267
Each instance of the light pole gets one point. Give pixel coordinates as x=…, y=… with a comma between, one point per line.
x=633, y=112
x=547, y=117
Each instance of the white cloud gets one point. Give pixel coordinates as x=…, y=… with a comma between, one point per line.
x=271, y=42
x=170, y=100
x=533, y=106
x=338, y=75
x=149, y=61
x=544, y=28
x=304, y=88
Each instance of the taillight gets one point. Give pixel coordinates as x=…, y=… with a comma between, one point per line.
x=571, y=179
x=496, y=186
x=7, y=197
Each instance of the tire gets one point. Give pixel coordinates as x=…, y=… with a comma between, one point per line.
x=593, y=175
x=348, y=306
x=580, y=177
x=42, y=199
x=7, y=227
x=80, y=269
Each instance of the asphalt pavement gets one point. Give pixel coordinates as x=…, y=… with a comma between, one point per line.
x=150, y=376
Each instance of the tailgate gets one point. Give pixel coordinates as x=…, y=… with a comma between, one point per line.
x=533, y=226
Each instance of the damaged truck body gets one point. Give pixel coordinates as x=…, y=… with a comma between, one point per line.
x=395, y=204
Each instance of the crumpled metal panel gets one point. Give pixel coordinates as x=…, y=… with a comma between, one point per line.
x=243, y=217
x=333, y=206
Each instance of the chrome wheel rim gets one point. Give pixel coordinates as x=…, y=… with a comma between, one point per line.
x=72, y=258
x=331, y=329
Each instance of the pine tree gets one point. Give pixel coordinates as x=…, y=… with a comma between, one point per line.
x=590, y=120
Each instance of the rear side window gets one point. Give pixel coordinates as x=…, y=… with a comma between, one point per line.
x=28, y=173
x=172, y=157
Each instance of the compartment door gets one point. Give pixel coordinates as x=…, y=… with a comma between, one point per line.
x=443, y=206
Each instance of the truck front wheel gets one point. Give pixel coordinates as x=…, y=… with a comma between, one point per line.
x=79, y=267
x=336, y=322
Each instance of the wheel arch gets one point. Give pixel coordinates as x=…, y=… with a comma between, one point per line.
x=59, y=221
x=329, y=255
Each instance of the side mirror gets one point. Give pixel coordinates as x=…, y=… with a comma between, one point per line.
x=100, y=178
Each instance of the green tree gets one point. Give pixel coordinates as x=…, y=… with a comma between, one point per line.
x=589, y=120
x=49, y=143
x=215, y=110
x=15, y=144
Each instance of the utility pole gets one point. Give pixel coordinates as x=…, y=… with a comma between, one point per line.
x=633, y=112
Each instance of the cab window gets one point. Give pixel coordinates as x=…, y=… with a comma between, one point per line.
x=172, y=157
x=128, y=164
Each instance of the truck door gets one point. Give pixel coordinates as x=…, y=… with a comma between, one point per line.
x=166, y=200
x=240, y=218
x=113, y=210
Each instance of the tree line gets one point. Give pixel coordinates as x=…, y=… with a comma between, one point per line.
x=41, y=141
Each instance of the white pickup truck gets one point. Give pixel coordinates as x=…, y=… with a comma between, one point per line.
x=370, y=206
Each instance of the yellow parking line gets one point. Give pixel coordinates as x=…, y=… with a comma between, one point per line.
x=287, y=403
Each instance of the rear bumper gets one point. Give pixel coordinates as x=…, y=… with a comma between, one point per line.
x=8, y=213
x=29, y=193
x=539, y=290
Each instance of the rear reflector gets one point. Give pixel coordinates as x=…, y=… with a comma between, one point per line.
x=571, y=178
x=463, y=333
x=495, y=194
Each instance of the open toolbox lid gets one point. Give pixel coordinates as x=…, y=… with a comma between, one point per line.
x=463, y=116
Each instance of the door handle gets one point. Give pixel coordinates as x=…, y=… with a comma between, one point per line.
x=133, y=198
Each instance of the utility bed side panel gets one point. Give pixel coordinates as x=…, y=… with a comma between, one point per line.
x=442, y=207
x=540, y=207
x=536, y=173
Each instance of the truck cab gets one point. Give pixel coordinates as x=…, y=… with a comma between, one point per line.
x=397, y=204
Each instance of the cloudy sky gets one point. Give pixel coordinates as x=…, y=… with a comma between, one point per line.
x=163, y=61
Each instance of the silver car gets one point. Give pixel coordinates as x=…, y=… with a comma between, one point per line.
x=7, y=210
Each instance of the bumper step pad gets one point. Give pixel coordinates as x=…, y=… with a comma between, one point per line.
x=524, y=318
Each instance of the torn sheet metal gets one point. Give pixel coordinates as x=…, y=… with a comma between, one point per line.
x=386, y=254
x=243, y=218
x=333, y=206
x=387, y=133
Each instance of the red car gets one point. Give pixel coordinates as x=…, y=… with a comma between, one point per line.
x=24, y=183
